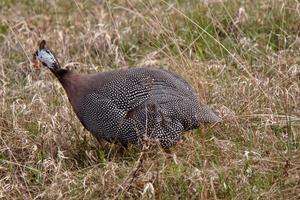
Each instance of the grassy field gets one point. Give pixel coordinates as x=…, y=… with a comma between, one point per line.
x=242, y=57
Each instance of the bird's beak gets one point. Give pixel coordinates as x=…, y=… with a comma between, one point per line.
x=36, y=63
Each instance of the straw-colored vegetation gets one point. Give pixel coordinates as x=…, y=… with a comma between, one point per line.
x=242, y=57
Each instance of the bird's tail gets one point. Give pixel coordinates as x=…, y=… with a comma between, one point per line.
x=206, y=115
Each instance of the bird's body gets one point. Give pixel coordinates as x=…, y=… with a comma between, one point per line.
x=128, y=105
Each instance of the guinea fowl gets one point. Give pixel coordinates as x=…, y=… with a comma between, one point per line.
x=128, y=105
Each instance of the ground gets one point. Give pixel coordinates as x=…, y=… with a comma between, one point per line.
x=242, y=58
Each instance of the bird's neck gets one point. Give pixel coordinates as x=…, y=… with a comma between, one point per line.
x=60, y=73
x=74, y=84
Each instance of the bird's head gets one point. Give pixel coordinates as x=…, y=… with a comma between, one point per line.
x=45, y=57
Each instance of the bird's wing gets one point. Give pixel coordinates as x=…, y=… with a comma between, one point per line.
x=128, y=92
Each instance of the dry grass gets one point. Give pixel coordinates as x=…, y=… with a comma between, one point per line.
x=242, y=58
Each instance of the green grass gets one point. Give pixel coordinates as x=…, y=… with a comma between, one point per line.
x=241, y=57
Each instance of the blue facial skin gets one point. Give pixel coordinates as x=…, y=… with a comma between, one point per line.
x=46, y=57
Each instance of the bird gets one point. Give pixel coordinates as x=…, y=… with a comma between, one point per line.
x=129, y=106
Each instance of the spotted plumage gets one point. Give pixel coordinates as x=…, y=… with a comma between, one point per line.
x=127, y=105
